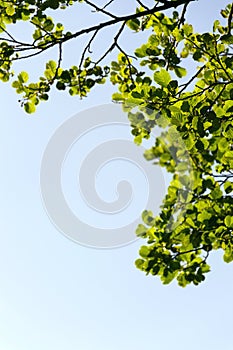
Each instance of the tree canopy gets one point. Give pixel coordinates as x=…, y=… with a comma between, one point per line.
x=196, y=216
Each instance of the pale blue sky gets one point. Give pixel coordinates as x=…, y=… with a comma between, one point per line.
x=55, y=294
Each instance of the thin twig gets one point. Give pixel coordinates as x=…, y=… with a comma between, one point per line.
x=58, y=64
x=113, y=44
x=128, y=60
x=140, y=3
x=87, y=48
x=108, y=3
x=191, y=80
x=99, y=9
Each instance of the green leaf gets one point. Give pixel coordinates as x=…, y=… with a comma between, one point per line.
x=205, y=268
x=23, y=77
x=10, y=10
x=134, y=24
x=29, y=107
x=228, y=221
x=117, y=97
x=180, y=72
x=144, y=251
x=228, y=187
x=169, y=278
x=51, y=65
x=53, y=4
x=60, y=85
x=187, y=29
x=16, y=84
x=147, y=217
x=139, y=263
x=162, y=77
x=204, y=216
x=141, y=231
x=228, y=255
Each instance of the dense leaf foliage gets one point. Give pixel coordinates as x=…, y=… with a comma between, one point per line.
x=195, y=113
x=197, y=213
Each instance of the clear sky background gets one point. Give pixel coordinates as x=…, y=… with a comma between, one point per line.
x=55, y=294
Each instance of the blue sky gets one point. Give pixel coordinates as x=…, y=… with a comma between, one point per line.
x=55, y=294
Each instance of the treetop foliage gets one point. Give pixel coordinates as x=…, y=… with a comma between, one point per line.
x=155, y=88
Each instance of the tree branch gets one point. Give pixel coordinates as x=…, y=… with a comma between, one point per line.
x=96, y=28
x=167, y=5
